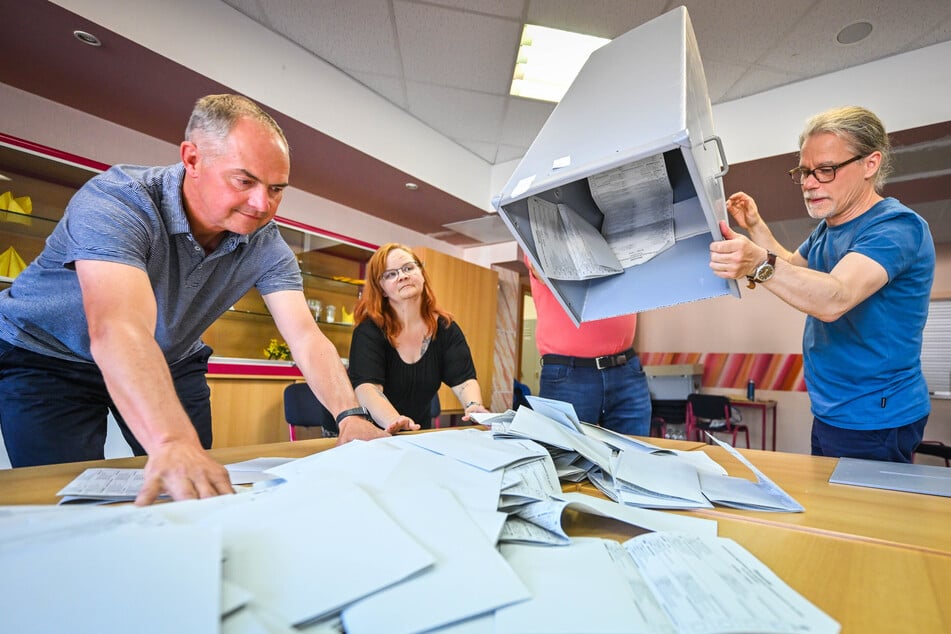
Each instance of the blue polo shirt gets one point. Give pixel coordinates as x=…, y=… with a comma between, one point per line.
x=863, y=370
x=135, y=215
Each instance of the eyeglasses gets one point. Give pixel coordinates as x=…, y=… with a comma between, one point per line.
x=391, y=274
x=823, y=174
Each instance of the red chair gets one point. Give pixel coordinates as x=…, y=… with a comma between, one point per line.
x=712, y=413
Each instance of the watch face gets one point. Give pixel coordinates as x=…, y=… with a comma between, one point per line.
x=764, y=272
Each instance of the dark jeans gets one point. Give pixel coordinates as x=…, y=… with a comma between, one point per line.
x=891, y=445
x=54, y=411
x=616, y=398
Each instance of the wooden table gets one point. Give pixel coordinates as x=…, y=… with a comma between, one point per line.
x=764, y=406
x=851, y=553
x=874, y=515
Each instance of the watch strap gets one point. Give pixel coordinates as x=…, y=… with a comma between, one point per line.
x=354, y=411
x=754, y=278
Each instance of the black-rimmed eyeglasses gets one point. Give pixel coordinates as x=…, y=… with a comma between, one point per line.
x=823, y=174
x=391, y=274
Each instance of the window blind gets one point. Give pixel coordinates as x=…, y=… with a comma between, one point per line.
x=936, y=347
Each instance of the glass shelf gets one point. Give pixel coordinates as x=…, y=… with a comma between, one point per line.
x=233, y=313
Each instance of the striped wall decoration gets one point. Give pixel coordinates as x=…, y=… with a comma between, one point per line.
x=771, y=371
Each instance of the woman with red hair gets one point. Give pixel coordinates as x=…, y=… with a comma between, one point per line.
x=405, y=346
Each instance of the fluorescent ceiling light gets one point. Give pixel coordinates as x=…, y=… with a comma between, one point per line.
x=549, y=60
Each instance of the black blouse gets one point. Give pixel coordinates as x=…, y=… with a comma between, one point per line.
x=410, y=387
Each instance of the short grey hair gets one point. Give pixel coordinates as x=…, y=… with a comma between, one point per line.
x=215, y=116
x=861, y=129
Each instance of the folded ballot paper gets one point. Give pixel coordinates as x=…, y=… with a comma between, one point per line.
x=636, y=473
x=655, y=582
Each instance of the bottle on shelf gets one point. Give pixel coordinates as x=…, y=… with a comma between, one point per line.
x=751, y=390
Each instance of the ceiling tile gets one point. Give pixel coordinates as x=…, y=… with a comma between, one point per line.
x=457, y=49
x=523, y=119
x=459, y=114
x=510, y=152
x=328, y=29
x=811, y=44
x=502, y=8
x=601, y=18
x=756, y=80
x=743, y=31
x=484, y=150
x=390, y=88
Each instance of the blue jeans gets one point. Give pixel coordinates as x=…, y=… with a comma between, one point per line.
x=896, y=444
x=54, y=411
x=616, y=398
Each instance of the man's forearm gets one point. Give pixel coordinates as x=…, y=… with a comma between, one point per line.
x=140, y=384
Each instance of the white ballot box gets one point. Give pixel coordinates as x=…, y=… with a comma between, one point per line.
x=618, y=198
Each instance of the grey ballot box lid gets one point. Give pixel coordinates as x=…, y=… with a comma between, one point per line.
x=643, y=94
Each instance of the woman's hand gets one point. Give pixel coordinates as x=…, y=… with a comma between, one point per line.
x=473, y=408
x=401, y=423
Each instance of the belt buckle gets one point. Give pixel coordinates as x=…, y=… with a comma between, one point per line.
x=610, y=361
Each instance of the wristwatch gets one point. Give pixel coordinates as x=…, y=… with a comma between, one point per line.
x=764, y=271
x=355, y=411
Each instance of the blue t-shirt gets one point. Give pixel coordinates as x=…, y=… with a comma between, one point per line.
x=863, y=370
x=135, y=215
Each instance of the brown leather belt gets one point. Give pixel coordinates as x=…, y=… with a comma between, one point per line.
x=601, y=363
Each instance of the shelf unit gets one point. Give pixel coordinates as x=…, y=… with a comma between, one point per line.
x=332, y=265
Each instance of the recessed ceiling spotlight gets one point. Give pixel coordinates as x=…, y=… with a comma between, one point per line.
x=87, y=38
x=411, y=186
x=855, y=32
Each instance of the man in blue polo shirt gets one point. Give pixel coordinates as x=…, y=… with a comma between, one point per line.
x=864, y=279
x=111, y=313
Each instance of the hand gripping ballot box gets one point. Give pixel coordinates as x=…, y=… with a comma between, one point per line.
x=619, y=197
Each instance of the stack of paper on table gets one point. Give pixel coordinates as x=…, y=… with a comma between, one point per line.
x=361, y=537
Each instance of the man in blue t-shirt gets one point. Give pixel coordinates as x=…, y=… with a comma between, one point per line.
x=110, y=315
x=863, y=277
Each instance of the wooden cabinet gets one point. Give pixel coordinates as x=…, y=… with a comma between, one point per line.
x=470, y=293
x=248, y=410
x=332, y=274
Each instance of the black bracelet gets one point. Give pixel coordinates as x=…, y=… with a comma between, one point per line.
x=356, y=411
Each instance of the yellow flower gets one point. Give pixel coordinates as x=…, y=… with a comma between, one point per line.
x=277, y=350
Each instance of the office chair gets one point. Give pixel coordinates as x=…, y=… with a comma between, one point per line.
x=658, y=427
x=519, y=393
x=711, y=412
x=666, y=412
x=302, y=409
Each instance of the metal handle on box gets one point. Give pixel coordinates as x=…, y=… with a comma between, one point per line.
x=723, y=161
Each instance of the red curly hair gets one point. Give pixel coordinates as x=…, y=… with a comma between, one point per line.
x=375, y=306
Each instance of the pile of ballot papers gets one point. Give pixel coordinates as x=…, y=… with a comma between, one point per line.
x=457, y=531
x=634, y=472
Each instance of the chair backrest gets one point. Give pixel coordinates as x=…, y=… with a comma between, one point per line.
x=709, y=406
x=302, y=408
x=519, y=392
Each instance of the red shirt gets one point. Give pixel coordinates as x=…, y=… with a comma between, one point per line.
x=555, y=333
